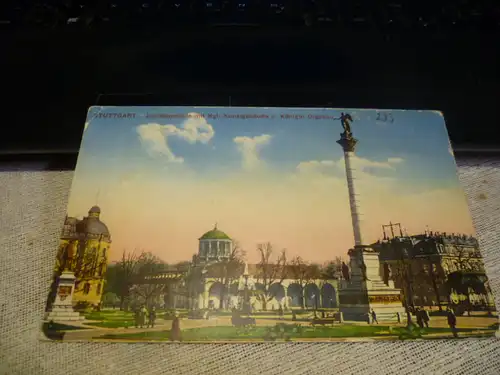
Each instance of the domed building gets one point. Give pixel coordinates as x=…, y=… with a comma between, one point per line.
x=214, y=246
x=84, y=249
x=222, y=291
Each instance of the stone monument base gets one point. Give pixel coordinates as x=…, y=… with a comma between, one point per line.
x=63, y=315
x=385, y=313
x=365, y=291
x=357, y=306
x=62, y=307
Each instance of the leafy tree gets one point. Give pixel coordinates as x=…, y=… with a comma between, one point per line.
x=332, y=269
x=124, y=276
x=227, y=271
x=147, y=264
x=110, y=299
x=269, y=271
x=303, y=273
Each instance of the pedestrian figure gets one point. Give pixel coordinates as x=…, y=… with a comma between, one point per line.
x=374, y=317
x=142, y=316
x=137, y=317
x=152, y=317
x=426, y=317
x=452, y=322
x=420, y=319
x=175, y=331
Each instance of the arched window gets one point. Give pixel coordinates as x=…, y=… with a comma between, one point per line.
x=98, y=290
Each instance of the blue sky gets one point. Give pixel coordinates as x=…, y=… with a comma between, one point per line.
x=418, y=137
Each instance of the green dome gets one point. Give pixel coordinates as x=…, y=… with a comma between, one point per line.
x=215, y=234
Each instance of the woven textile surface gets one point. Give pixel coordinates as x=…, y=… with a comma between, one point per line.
x=31, y=215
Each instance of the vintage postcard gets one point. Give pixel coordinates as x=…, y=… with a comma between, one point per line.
x=201, y=224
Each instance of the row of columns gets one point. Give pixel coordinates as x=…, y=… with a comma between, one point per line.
x=204, y=297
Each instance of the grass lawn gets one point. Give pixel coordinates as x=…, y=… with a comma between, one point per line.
x=113, y=324
x=282, y=332
x=111, y=319
x=114, y=318
x=110, y=315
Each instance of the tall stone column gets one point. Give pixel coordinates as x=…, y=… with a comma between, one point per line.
x=348, y=143
x=365, y=291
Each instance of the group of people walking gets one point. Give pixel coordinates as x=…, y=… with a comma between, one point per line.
x=143, y=317
x=147, y=318
x=422, y=316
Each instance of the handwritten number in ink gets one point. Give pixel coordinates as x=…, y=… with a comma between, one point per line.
x=385, y=117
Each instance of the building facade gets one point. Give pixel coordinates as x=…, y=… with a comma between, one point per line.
x=84, y=249
x=436, y=269
x=219, y=282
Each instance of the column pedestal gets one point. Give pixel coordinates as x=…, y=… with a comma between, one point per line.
x=366, y=291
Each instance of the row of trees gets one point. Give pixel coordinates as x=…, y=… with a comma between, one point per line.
x=271, y=269
x=122, y=278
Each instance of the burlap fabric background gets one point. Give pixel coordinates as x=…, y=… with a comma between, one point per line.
x=33, y=208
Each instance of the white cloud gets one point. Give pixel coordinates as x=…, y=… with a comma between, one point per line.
x=154, y=140
x=250, y=148
x=154, y=136
x=395, y=160
x=361, y=164
x=313, y=165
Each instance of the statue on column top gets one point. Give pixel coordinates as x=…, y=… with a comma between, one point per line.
x=345, y=120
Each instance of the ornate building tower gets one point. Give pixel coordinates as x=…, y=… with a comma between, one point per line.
x=84, y=250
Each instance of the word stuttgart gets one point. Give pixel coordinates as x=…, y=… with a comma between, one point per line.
x=116, y=115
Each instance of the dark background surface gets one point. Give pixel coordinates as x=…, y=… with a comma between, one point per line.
x=50, y=78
